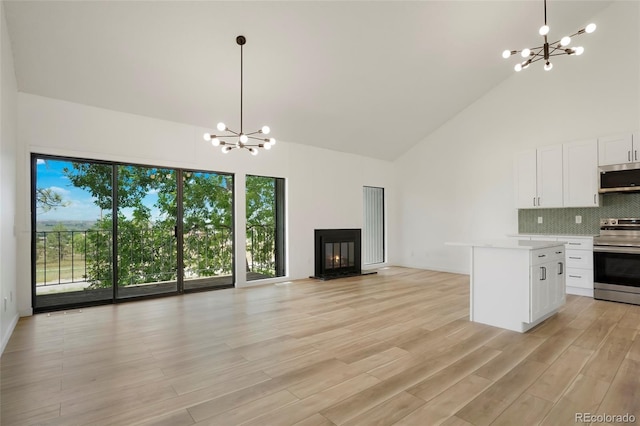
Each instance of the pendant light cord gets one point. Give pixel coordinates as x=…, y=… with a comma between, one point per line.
x=241, y=84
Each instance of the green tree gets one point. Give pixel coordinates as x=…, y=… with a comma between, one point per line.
x=146, y=246
x=47, y=199
x=261, y=223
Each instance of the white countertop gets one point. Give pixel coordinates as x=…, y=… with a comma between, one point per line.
x=510, y=244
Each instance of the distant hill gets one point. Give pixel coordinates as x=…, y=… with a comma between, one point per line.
x=69, y=225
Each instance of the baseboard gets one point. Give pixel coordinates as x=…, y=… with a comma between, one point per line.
x=578, y=291
x=6, y=337
x=436, y=268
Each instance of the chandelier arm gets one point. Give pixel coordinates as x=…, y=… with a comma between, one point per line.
x=560, y=54
x=536, y=60
x=231, y=131
x=257, y=139
x=532, y=48
x=254, y=133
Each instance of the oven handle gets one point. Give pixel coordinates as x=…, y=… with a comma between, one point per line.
x=616, y=249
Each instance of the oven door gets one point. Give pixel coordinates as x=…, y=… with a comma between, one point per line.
x=617, y=265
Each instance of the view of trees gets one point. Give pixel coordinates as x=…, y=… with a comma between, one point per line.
x=146, y=240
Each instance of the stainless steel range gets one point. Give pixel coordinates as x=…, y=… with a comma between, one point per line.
x=616, y=260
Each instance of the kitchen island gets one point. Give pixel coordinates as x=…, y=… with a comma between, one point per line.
x=516, y=284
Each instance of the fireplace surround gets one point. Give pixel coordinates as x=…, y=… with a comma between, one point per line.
x=337, y=253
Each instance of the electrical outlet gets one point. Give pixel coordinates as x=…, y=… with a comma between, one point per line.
x=578, y=219
x=539, y=219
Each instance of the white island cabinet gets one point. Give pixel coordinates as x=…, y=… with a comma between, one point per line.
x=516, y=284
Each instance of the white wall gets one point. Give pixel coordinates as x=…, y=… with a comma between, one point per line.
x=8, y=146
x=324, y=188
x=457, y=184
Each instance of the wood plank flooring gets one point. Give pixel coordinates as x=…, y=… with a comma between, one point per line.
x=394, y=348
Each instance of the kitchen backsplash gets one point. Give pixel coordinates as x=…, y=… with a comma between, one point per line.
x=563, y=221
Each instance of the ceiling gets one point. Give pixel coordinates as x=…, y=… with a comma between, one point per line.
x=371, y=78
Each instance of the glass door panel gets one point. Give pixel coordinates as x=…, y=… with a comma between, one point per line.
x=265, y=227
x=72, y=239
x=207, y=223
x=146, y=243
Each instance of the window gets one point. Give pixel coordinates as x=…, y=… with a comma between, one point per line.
x=373, y=225
x=265, y=227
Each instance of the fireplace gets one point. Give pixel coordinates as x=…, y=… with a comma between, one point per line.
x=337, y=253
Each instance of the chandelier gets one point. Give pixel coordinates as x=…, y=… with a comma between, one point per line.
x=547, y=50
x=242, y=139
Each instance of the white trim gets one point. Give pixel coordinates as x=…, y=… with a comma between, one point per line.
x=6, y=337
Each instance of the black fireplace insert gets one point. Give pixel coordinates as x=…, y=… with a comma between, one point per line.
x=337, y=253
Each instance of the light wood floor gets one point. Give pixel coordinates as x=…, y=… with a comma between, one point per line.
x=393, y=348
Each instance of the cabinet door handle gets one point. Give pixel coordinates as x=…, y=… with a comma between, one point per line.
x=542, y=255
x=543, y=271
x=636, y=154
x=628, y=155
x=558, y=252
x=575, y=276
x=561, y=268
x=574, y=244
x=575, y=258
x=594, y=198
x=538, y=201
x=534, y=201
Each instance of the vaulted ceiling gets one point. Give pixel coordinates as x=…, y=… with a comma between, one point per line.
x=371, y=78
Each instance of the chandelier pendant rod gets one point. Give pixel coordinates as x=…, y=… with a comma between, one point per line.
x=241, y=83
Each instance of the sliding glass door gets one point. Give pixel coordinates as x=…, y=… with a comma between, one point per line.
x=72, y=239
x=207, y=228
x=105, y=232
x=146, y=243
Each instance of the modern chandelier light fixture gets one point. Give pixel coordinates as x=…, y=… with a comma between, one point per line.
x=547, y=50
x=242, y=139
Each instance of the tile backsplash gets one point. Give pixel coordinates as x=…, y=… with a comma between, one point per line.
x=563, y=221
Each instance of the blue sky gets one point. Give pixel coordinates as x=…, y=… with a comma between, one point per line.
x=81, y=204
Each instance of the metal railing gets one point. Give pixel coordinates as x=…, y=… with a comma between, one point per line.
x=261, y=246
x=65, y=257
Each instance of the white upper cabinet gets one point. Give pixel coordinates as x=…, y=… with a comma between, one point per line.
x=549, y=180
x=539, y=178
x=580, y=173
x=526, y=183
x=617, y=149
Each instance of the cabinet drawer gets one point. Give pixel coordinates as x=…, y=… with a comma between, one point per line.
x=582, y=278
x=579, y=259
x=547, y=255
x=578, y=243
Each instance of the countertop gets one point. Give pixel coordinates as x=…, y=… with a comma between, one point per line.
x=510, y=244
